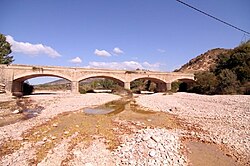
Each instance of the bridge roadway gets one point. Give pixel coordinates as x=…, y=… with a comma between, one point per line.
x=13, y=76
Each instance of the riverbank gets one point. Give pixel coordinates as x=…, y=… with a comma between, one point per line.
x=224, y=119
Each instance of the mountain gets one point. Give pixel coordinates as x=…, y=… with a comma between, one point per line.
x=57, y=82
x=64, y=81
x=204, y=61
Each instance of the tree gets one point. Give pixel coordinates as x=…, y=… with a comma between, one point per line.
x=5, y=50
x=228, y=83
x=206, y=83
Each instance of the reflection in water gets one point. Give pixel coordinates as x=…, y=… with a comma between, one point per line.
x=97, y=111
x=31, y=113
x=24, y=109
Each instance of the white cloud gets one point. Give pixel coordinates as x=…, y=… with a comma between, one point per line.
x=101, y=53
x=31, y=49
x=76, y=60
x=161, y=50
x=117, y=51
x=126, y=65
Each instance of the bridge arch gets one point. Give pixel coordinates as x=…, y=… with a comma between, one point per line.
x=24, y=77
x=189, y=78
x=161, y=85
x=109, y=76
x=182, y=84
x=155, y=79
x=18, y=80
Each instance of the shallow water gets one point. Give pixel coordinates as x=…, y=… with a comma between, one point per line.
x=208, y=155
x=24, y=106
x=97, y=111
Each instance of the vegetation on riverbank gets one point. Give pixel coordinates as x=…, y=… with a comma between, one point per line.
x=230, y=74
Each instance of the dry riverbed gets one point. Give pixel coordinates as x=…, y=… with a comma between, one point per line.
x=224, y=119
x=61, y=133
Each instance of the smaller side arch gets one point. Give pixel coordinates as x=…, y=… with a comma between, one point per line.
x=17, y=82
x=161, y=85
x=182, y=84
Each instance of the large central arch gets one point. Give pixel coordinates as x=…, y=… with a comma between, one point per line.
x=116, y=79
x=109, y=76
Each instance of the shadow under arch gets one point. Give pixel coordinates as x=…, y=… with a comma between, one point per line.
x=182, y=85
x=161, y=86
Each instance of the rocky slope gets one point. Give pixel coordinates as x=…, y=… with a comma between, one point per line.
x=203, y=62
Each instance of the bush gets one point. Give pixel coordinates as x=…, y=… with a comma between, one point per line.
x=228, y=83
x=175, y=86
x=206, y=83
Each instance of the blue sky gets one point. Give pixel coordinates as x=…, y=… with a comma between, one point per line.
x=151, y=34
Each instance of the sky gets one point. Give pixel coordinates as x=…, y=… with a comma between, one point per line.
x=157, y=35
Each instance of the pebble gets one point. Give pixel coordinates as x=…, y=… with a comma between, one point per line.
x=40, y=143
x=16, y=112
x=155, y=146
x=146, y=137
x=66, y=132
x=53, y=137
x=54, y=125
x=152, y=153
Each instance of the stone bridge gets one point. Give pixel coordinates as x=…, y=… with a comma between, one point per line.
x=13, y=76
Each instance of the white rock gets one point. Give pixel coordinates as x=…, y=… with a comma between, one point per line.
x=146, y=137
x=45, y=139
x=16, y=112
x=152, y=153
x=151, y=145
x=40, y=143
x=88, y=164
x=66, y=132
x=54, y=125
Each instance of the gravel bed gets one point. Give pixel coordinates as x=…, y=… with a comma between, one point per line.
x=225, y=117
x=54, y=105
x=94, y=155
x=150, y=147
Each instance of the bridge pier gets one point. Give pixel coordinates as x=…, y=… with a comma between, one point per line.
x=8, y=87
x=127, y=85
x=75, y=87
x=169, y=86
x=17, y=86
x=161, y=87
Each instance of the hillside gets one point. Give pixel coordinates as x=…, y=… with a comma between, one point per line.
x=64, y=81
x=203, y=62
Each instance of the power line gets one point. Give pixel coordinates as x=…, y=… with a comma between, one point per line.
x=209, y=15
